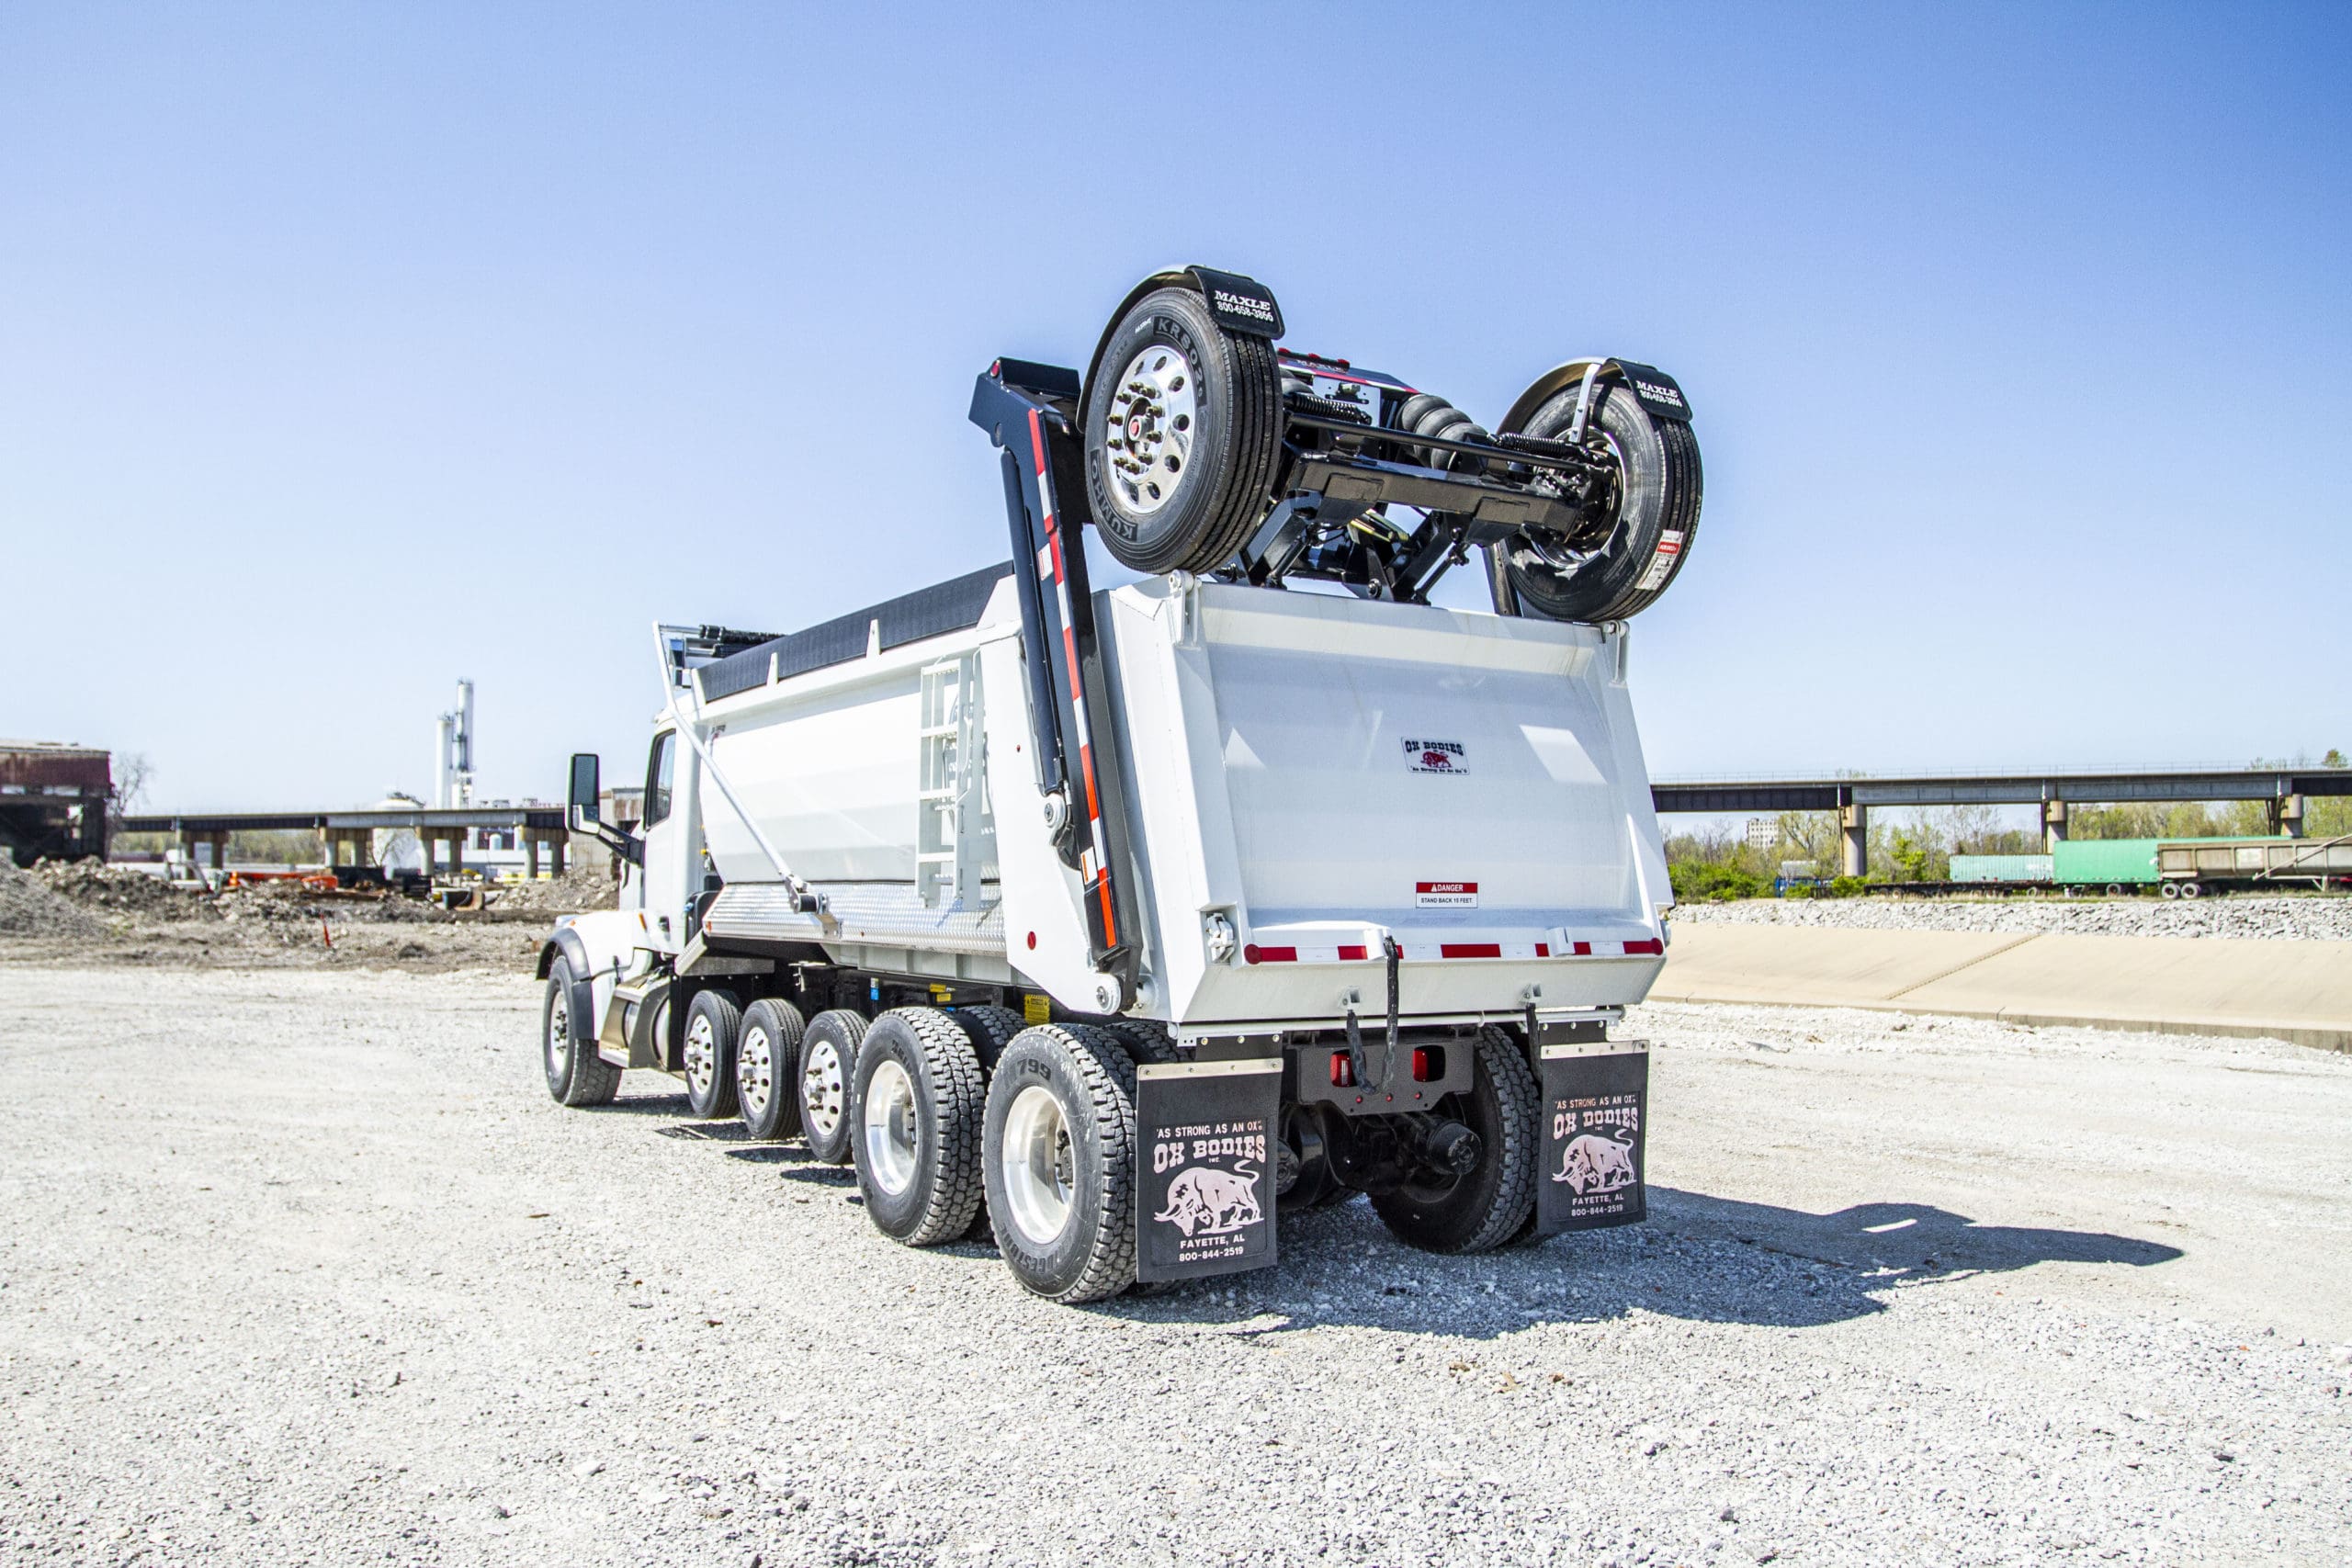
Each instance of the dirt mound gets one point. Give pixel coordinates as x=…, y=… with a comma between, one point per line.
x=572, y=892
x=121, y=890
x=29, y=906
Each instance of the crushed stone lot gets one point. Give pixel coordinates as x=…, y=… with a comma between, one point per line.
x=301, y=1266
x=2238, y=917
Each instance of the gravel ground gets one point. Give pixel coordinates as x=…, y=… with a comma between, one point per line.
x=301, y=1266
x=2308, y=919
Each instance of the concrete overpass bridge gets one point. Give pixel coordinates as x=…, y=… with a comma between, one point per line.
x=1851, y=795
x=350, y=835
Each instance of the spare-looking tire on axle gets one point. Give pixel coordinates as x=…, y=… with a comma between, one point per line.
x=1652, y=514
x=1183, y=434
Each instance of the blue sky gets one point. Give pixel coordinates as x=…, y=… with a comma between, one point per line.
x=347, y=350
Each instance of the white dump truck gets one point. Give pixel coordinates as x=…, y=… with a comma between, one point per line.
x=1115, y=924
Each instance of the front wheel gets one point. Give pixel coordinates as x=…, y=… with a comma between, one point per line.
x=576, y=1075
x=1652, y=517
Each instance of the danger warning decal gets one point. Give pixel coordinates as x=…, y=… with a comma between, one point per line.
x=1669, y=550
x=1593, y=1106
x=1205, y=1189
x=1445, y=895
x=1436, y=757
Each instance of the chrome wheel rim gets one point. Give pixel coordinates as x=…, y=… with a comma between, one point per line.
x=754, y=1072
x=889, y=1117
x=822, y=1094
x=1038, y=1165
x=1148, y=443
x=702, y=1056
x=558, y=1035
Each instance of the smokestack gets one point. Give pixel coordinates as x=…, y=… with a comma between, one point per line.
x=461, y=763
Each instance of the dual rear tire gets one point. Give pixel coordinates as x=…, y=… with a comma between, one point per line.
x=916, y=1123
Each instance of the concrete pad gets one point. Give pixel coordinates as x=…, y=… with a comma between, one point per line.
x=1852, y=968
x=2298, y=991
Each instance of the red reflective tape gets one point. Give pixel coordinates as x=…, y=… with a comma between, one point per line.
x=1053, y=542
x=1470, y=950
x=1037, y=443
x=1086, y=766
x=1543, y=950
x=1358, y=953
x=1253, y=953
x=1110, y=926
x=1647, y=944
x=1583, y=949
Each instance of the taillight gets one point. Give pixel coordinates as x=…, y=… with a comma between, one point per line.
x=1420, y=1063
x=1343, y=1072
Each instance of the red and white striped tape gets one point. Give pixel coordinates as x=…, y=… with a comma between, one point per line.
x=1349, y=952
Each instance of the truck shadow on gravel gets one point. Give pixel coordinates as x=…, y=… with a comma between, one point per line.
x=1699, y=1258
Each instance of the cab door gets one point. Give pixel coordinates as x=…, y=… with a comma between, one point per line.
x=672, y=835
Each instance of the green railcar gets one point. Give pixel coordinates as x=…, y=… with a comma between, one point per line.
x=2104, y=862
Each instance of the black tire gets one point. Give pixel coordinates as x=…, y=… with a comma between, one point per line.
x=1657, y=516
x=1487, y=1208
x=767, y=1056
x=918, y=1126
x=576, y=1075
x=1088, y=1160
x=822, y=1081
x=1317, y=1186
x=706, y=1052
x=1191, y=517
x=991, y=1029
x=1145, y=1040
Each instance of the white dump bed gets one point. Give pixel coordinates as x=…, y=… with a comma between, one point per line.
x=1326, y=773
x=1311, y=773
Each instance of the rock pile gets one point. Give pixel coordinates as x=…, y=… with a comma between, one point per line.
x=2315, y=917
x=31, y=907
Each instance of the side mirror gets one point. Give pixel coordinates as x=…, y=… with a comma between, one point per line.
x=586, y=769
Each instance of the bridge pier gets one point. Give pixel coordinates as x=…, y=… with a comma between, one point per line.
x=2287, y=816
x=1854, y=854
x=2053, y=825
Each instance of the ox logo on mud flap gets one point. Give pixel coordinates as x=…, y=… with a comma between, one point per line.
x=1594, y=1100
x=1205, y=1201
x=1436, y=757
x=1204, y=1146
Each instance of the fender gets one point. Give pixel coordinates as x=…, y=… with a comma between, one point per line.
x=1658, y=392
x=600, y=946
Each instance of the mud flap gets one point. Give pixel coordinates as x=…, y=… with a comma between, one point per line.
x=1204, y=1187
x=1595, y=1095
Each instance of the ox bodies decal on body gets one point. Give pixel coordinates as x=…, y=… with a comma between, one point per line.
x=1594, y=1098
x=1205, y=1203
